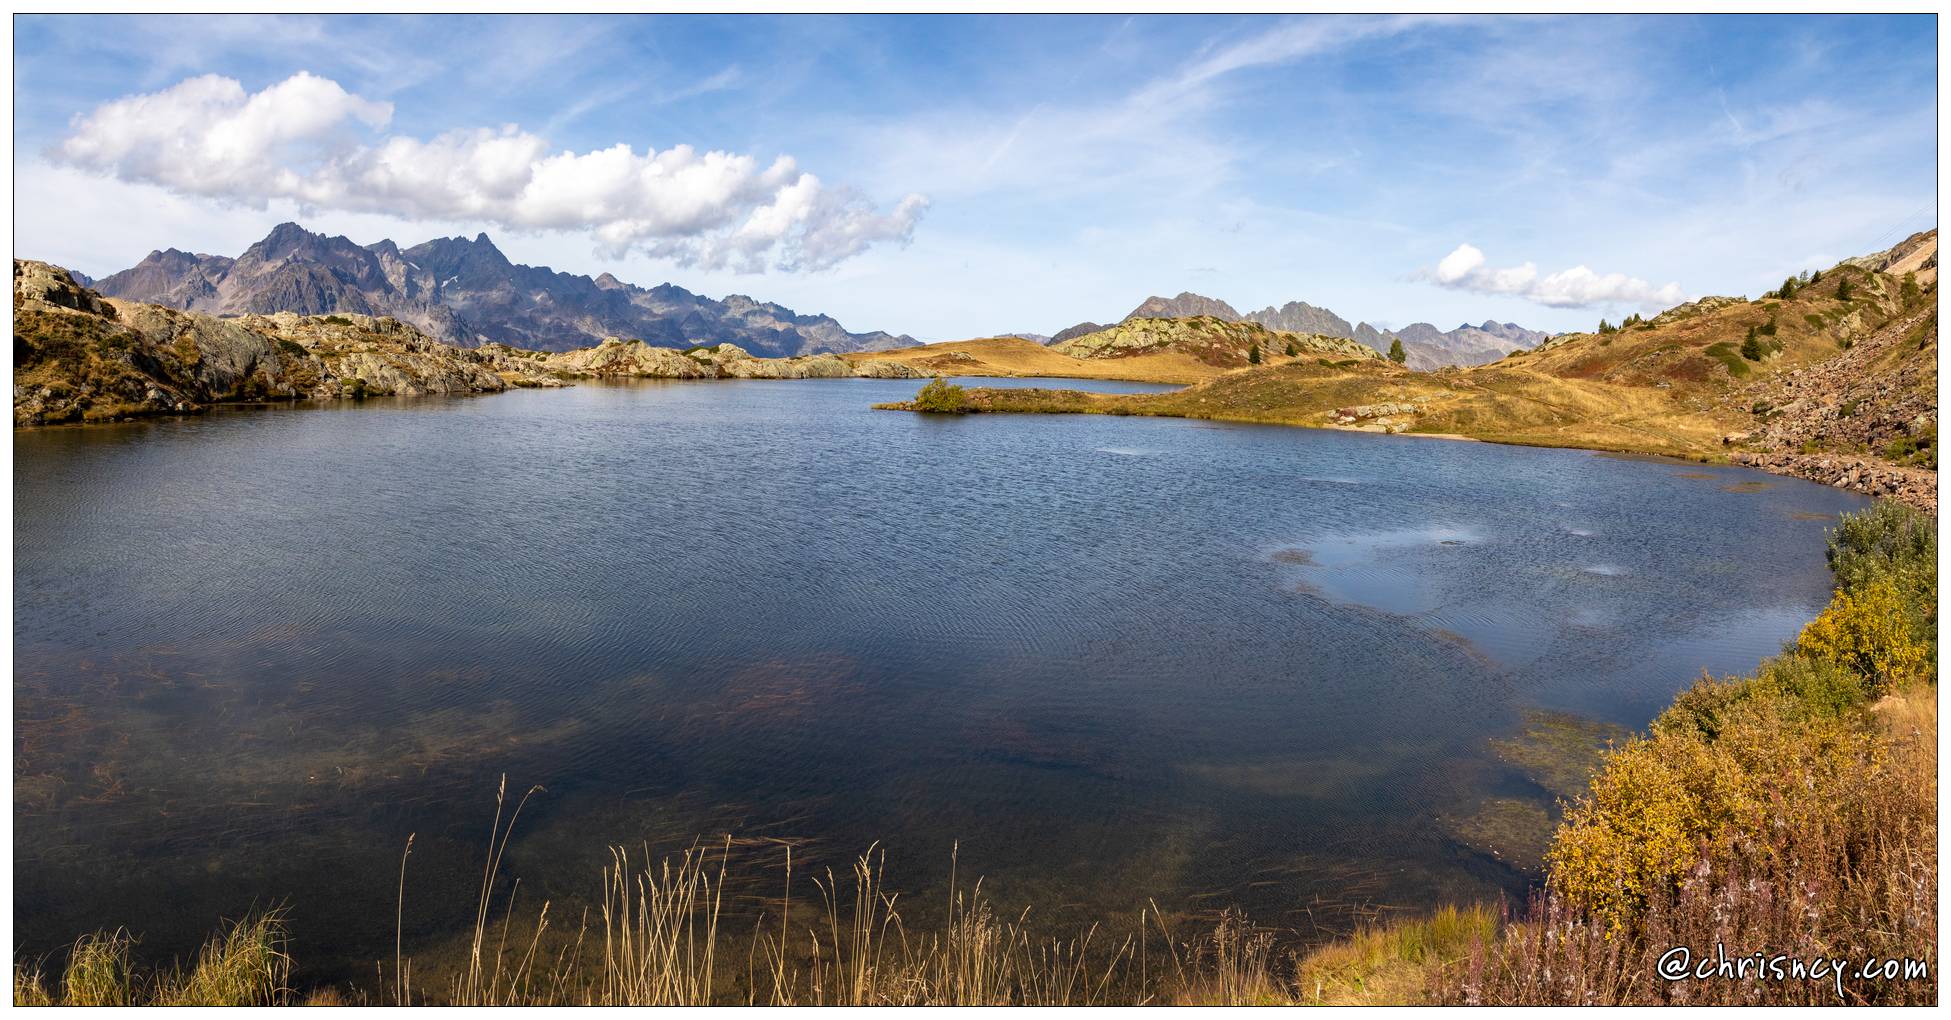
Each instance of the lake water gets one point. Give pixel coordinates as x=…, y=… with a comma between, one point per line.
x=1116, y=659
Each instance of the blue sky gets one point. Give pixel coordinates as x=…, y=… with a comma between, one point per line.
x=954, y=177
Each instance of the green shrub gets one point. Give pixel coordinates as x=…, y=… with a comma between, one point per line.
x=1915, y=450
x=1725, y=354
x=1814, y=688
x=1253, y=355
x=941, y=397
x=1892, y=541
x=1396, y=353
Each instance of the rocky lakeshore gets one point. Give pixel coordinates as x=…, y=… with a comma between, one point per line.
x=80, y=357
x=1914, y=486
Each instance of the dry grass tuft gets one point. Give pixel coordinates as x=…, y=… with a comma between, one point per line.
x=1396, y=964
x=246, y=965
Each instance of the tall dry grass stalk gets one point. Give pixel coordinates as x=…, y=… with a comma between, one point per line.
x=491, y=981
x=1232, y=965
x=660, y=929
x=662, y=937
x=867, y=956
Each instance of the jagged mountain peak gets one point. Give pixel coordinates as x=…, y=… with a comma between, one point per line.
x=1185, y=305
x=466, y=291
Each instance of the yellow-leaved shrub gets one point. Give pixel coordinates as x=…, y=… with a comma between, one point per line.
x=1664, y=802
x=1866, y=631
x=1641, y=826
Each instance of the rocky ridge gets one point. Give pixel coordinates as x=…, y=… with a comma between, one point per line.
x=80, y=357
x=1210, y=339
x=1073, y=332
x=1425, y=346
x=466, y=292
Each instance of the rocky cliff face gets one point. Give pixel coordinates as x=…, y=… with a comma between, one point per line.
x=1185, y=306
x=466, y=292
x=634, y=359
x=1916, y=255
x=1210, y=339
x=1301, y=317
x=81, y=357
x=1081, y=329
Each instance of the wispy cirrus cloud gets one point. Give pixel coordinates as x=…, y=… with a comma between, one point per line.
x=1468, y=269
x=308, y=139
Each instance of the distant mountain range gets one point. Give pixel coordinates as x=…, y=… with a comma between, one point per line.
x=467, y=293
x=1426, y=346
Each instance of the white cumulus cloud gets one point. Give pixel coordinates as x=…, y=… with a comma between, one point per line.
x=1466, y=268
x=306, y=139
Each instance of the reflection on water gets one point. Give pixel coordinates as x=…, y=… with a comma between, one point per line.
x=1116, y=659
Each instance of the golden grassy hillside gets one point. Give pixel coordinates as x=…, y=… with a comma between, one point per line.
x=1010, y=357
x=1701, y=380
x=1140, y=350
x=1508, y=405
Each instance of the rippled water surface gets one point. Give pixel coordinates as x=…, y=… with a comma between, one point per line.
x=1115, y=658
